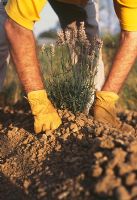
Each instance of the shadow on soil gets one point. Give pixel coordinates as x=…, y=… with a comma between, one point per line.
x=9, y=191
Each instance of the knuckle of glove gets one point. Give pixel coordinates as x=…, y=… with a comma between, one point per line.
x=47, y=122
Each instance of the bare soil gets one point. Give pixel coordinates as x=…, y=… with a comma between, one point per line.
x=82, y=160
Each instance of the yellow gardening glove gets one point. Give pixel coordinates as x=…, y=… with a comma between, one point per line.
x=105, y=110
x=45, y=115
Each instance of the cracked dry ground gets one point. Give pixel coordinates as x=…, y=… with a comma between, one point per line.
x=83, y=160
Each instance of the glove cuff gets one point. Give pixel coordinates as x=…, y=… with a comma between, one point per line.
x=39, y=102
x=36, y=98
x=106, y=99
x=38, y=95
x=105, y=95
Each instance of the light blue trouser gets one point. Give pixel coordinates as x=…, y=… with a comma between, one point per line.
x=92, y=30
x=3, y=46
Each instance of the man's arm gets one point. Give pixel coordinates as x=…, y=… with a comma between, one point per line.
x=104, y=109
x=23, y=50
x=18, y=26
x=123, y=62
x=127, y=52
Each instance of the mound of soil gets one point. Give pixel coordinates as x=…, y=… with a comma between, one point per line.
x=82, y=160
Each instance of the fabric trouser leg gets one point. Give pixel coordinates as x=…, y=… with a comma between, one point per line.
x=3, y=46
x=92, y=30
x=68, y=13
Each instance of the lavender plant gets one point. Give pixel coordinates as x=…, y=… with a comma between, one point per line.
x=71, y=69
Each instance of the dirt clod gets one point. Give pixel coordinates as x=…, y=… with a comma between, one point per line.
x=122, y=193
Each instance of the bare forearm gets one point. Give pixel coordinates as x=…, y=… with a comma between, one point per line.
x=123, y=62
x=23, y=50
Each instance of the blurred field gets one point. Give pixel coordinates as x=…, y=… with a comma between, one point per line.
x=12, y=91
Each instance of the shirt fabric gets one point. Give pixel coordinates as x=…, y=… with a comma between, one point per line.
x=26, y=12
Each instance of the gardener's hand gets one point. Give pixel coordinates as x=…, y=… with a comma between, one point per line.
x=105, y=110
x=45, y=115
